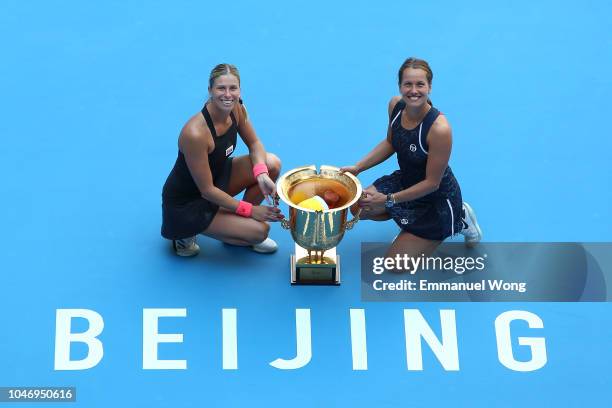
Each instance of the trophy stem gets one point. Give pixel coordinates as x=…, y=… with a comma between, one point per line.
x=310, y=267
x=316, y=257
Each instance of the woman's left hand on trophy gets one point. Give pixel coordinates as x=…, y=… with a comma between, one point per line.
x=267, y=187
x=372, y=200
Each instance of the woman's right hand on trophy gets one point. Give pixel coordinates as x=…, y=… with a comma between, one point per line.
x=266, y=213
x=354, y=170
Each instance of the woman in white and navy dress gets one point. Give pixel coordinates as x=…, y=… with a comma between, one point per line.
x=422, y=197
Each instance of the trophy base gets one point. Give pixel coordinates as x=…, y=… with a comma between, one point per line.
x=307, y=270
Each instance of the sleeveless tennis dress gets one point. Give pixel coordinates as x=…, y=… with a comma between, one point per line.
x=185, y=212
x=437, y=215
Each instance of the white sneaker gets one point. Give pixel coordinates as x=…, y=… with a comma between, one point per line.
x=186, y=246
x=267, y=246
x=471, y=230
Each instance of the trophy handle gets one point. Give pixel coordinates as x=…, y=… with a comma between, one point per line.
x=350, y=224
x=284, y=223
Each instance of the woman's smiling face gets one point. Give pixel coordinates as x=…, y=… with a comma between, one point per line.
x=415, y=87
x=225, y=92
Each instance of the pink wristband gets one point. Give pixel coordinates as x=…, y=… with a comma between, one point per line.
x=259, y=169
x=244, y=209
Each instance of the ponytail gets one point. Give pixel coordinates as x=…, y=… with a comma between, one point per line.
x=243, y=109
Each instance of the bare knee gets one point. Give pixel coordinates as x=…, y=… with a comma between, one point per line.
x=257, y=232
x=274, y=165
x=262, y=231
x=411, y=245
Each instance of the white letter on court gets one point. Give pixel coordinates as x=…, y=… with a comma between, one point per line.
x=416, y=327
x=63, y=338
x=358, y=340
x=230, y=339
x=304, y=346
x=151, y=338
x=504, y=344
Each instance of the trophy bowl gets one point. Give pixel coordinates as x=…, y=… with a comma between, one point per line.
x=318, y=230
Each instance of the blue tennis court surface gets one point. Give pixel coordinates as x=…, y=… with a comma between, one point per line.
x=93, y=97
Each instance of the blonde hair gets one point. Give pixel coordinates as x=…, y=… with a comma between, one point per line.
x=225, y=69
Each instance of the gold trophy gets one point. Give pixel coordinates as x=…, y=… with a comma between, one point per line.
x=319, y=204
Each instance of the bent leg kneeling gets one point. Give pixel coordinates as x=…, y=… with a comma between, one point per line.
x=274, y=165
x=236, y=230
x=412, y=245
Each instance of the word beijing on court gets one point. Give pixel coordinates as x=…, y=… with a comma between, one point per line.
x=416, y=332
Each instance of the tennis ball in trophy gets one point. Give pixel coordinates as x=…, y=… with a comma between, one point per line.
x=331, y=197
x=314, y=203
